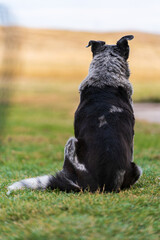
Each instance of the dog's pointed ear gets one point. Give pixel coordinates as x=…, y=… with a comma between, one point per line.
x=95, y=46
x=123, y=46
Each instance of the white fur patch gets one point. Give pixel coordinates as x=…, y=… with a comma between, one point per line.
x=114, y=109
x=78, y=165
x=70, y=151
x=32, y=183
x=102, y=121
x=140, y=170
x=15, y=186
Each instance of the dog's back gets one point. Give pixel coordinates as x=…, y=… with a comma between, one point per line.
x=104, y=124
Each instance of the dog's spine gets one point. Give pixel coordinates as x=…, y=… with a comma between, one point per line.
x=59, y=181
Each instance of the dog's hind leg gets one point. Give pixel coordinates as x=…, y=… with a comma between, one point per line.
x=66, y=180
x=75, y=170
x=70, y=151
x=131, y=176
x=71, y=161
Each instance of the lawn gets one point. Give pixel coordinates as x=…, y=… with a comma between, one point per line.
x=38, y=125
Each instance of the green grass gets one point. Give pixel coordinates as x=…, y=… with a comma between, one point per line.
x=146, y=92
x=33, y=145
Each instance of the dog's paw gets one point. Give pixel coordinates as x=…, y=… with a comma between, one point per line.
x=70, y=148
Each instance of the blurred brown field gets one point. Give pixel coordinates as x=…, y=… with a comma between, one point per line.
x=54, y=60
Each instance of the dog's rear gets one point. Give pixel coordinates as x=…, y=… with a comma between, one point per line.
x=100, y=157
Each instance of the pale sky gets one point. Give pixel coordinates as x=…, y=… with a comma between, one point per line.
x=87, y=15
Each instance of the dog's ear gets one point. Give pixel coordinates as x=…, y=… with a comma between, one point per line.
x=123, y=46
x=95, y=46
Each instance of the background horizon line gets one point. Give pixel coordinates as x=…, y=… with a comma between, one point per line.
x=78, y=30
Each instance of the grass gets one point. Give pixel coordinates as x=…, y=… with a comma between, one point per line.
x=39, y=123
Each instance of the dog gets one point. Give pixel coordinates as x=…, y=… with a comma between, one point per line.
x=100, y=156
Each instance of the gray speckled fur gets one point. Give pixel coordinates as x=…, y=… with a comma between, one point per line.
x=102, y=121
x=119, y=179
x=108, y=68
x=114, y=109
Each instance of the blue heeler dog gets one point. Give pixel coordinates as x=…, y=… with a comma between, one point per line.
x=100, y=156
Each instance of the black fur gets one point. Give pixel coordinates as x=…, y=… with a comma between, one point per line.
x=95, y=46
x=123, y=45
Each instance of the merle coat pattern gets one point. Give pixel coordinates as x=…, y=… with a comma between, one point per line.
x=100, y=156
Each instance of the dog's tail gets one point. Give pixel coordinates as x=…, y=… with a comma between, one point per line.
x=60, y=181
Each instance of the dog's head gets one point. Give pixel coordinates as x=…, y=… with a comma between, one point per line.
x=109, y=66
x=121, y=48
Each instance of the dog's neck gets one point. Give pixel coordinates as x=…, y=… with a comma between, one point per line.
x=108, y=71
